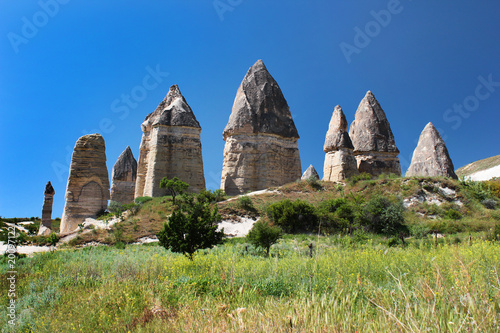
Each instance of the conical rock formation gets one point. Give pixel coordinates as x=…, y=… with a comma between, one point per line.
x=340, y=162
x=310, y=173
x=46, y=225
x=431, y=158
x=170, y=147
x=87, y=191
x=123, y=177
x=261, y=148
x=374, y=146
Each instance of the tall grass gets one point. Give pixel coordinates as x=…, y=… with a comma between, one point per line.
x=344, y=287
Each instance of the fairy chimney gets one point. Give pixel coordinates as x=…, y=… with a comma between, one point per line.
x=340, y=162
x=46, y=225
x=123, y=178
x=261, y=147
x=170, y=147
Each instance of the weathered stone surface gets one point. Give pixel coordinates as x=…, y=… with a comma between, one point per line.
x=374, y=145
x=340, y=162
x=46, y=225
x=431, y=158
x=170, y=147
x=261, y=148
x=123, y=177
x=310, y=173
x=87, y=191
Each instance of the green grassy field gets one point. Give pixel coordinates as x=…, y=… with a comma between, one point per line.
x=346, y=286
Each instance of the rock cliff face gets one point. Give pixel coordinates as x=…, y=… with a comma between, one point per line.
x=170, y=147
x=371, y=135
x=340, y=162
x=46, y=225
x=431, y=158
x=124, y=176
x=87, y=191
x=261, y=148
x=310, y=173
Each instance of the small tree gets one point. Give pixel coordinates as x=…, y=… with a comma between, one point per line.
x=175, y=186
x=264, y=235
x=53, y=239
x=191, y=228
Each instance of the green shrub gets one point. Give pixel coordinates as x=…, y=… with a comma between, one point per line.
x=264, y=235
x=453, y=214
x=293, y=217
x=116, y=208
x=210, y=196
x=362, y=176
x=381, y=216
x=477, y=190
x=174, y=186
x=53, y=239
x=489, y=203
x=246, y=203
x=337, y=215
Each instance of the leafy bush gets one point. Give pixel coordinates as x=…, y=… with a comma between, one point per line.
x=142, y=200
x=53, y=239
x=478, y=190
x=453, y=214
x=209, y=196
x=489, y=203
x=264, y=235
x=191, y=228
x=314, y=183
x=494, y=187
x=293, y=217
x=382, y=216
x=337, y=215
x=246, y=203
x=419, y=230
x=116, y=208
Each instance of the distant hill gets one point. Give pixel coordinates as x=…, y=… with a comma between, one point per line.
x=482, y=169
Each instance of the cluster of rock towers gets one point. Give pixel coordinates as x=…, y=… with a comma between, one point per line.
x=261, y=151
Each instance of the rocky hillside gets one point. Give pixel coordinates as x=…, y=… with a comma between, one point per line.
x=481, y=170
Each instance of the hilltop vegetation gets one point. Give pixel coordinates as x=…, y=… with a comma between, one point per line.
x=478, y=166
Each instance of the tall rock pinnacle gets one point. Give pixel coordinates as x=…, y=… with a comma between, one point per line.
x=87, y=191
x=170, y=147
x=431, y=158
x=261, y=138
x=374, y=145
x=340, y=162
x=123, y=177
x=46, y=225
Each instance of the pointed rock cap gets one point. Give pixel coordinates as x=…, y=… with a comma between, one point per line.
x=172, y=111
x=431, y=157
x=49, y=190
x=370, y=130
x=310, y=173
x=260, y=107
x=337, y=136
x=125, y=164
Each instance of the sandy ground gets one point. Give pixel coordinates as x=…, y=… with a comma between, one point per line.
x=253, y=193
x=485, y=174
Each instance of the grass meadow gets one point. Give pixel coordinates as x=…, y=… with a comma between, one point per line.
x=345, y=286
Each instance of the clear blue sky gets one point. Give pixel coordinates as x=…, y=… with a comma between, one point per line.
x=67, y=66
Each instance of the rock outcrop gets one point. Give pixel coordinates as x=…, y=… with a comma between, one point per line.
x=261, y=148
x=123, y=178
x=310, y=173
x=46, y=225
x=87, y=191
x=374, y=146
x=340, y=162
x=431, y=158
x=170, y=147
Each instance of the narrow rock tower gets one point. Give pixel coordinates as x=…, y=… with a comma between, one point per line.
x=46, y=225
x=431, y=158
x=87, y=192
x=170, y=147
x=371, y=135
x=124, y=176
x=261, y=139
x=340, y=162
